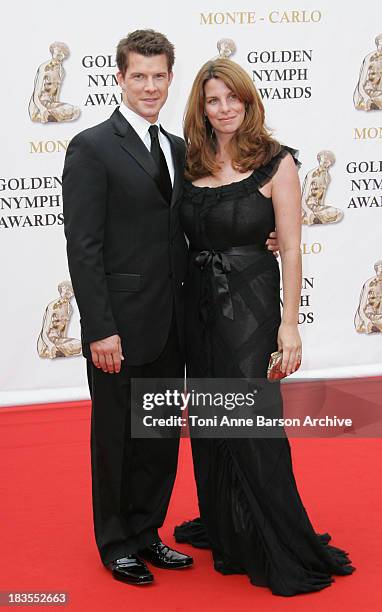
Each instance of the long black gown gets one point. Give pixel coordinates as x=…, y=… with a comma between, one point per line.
x=252, y=516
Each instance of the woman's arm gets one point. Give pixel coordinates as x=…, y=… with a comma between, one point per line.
x=286, y=197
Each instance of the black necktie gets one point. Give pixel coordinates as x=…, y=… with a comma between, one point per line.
x=164, y=180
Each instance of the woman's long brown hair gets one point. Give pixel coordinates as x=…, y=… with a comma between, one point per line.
x=251, y=146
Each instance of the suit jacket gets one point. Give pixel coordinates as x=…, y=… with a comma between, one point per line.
x=126, y=251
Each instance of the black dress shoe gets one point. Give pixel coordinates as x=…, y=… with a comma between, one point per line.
x=131, y=569
x=192, y=532
x=163, y=556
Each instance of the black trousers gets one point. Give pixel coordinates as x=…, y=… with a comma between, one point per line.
x=132, y=478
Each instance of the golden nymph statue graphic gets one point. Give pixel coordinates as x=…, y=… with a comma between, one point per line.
x=368, y=92
x=314, y=209
x=368, y=318
x=45, y=105
x=226, y=48
x=53, y=341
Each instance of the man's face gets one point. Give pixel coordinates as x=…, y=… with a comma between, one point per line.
x=145, y=84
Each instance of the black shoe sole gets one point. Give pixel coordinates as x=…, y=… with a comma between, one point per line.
x=133, y=581
x=173, y=567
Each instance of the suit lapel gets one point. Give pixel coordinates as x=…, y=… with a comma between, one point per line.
x=133, y=145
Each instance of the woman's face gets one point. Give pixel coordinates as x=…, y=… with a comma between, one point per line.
x=222, y=107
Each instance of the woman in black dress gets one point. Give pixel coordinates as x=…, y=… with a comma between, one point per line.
x=240, y=185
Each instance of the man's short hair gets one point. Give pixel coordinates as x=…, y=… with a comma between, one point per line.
x=144, y=42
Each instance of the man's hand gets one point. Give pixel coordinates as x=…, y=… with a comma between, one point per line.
x=107, y=354
x=272, y=244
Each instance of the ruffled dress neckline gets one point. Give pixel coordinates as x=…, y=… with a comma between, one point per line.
x=259, y=177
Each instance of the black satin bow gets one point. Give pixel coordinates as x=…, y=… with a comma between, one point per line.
x=220, y=266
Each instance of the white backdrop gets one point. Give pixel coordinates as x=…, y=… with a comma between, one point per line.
x=323, y=118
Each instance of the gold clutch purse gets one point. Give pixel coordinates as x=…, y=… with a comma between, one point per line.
x=274, y=366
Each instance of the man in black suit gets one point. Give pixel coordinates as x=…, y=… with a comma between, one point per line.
x=127, y=259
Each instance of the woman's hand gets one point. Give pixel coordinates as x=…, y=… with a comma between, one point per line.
x=272, y=244
x=289, y=342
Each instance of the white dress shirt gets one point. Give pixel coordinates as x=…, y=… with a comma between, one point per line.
x=141, y=126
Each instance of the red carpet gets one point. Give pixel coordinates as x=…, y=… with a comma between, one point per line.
x=46, y=526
